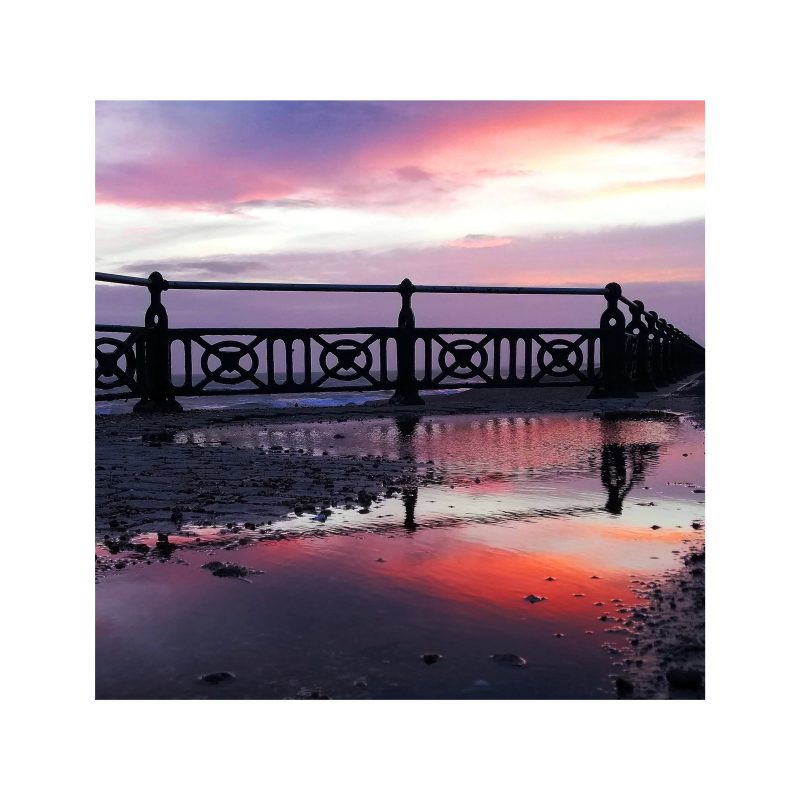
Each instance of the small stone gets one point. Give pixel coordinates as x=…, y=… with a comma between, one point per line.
x=595, y=578
x=549, y=578
x=509, y=659
x=230, y=571
x=430, y=658
x=380, y=560
x=215, y=678
x=578, y=594
x=559, y=635
x=535, y=598
x=655, y=527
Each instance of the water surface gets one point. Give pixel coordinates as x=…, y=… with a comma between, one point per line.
x=348, y=610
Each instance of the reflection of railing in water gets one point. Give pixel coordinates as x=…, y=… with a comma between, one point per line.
x=639, y=354
x=621, y=465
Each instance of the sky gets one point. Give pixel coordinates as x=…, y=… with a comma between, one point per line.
x=497, y=193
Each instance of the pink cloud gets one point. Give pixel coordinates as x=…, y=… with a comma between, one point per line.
x=211, y=154
x=474, y=240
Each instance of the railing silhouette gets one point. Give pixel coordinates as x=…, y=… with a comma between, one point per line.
x=620, y=357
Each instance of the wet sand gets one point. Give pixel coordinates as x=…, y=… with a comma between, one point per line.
x=190, y=489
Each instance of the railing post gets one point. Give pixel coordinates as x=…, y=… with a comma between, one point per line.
x=656, y=361
x=666, y=351
x=614, y=353
x=674, y=352
x=158, y=394
x=639, y=328
x=406, y=393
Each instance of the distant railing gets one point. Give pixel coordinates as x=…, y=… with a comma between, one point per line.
x=618, y=358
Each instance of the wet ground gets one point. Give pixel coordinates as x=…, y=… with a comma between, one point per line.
x=534, y=539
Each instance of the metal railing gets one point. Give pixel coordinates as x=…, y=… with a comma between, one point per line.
x=618, y=358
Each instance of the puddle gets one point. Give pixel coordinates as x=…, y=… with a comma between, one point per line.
x=347, y=607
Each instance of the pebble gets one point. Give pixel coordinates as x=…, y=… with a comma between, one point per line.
x=431, y=658
x=508, y=659
x=231, y=571
x=535, y=598
x=215, y=678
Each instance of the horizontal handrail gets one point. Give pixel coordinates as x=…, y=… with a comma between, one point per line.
x=106, y=277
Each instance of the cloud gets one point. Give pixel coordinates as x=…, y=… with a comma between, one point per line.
x=624, y=254
x=413, y=174
x=473, y=240
x=201, y=154
x=696, y=181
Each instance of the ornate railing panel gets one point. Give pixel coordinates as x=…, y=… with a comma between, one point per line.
x=274, y=360
x=463, y=357
x=156, y=363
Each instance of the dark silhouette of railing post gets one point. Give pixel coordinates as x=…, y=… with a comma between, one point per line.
x=615, y=353
x=666, y=351
x=157, y=393
x=638, y=327
x=656, y=350
x=406, y=393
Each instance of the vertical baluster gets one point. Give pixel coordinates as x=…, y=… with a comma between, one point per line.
x=158, y=393
x=639, y=328
x=666, y=351
x=406, y=393
x=614, y=369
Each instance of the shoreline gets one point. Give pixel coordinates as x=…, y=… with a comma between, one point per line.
x=687, y=395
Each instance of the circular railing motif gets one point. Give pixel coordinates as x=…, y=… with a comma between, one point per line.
x=560, y=357
x=346, y=360
x=458, y=359
x=108, y=363
x=228, y=356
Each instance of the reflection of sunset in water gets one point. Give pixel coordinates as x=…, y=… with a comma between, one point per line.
x=446, y=570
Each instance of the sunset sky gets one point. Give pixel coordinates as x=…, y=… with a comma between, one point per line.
x=522, y=193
